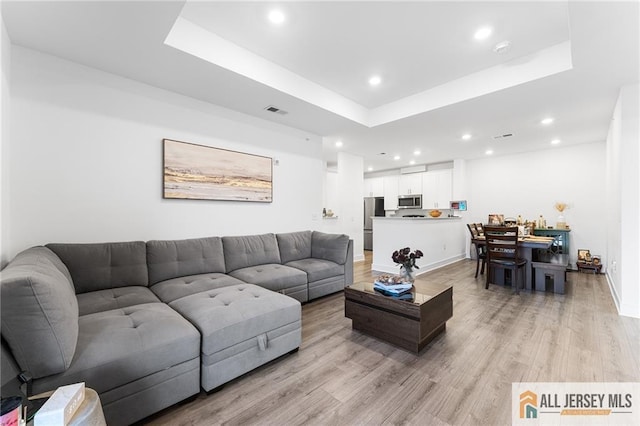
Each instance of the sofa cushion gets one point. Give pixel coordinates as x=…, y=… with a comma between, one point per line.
x=275, y=277
x=114, y=298
x=294, y=245
x=317, y=269
x=178, y=258
x=120, y=346
x=39, y=312
x=104, y=265
x=229, y=315
x=175, y=288
x=331, y=247
x=250, y=250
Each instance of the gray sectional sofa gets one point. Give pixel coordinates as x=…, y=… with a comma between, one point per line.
x=148, y=324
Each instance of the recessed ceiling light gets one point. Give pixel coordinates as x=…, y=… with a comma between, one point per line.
x=396, y=157
x=339, y=144
x=489, y=152
x=370, y=168
x=547, y=121
x=417, y=152
x=276, y=17
x=466, y=136
x=555, y=142
x=375, y=80
x=412, y=162
x=502, y=47
x=483, y=33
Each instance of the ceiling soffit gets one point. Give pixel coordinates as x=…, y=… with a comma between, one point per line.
x=208, y=46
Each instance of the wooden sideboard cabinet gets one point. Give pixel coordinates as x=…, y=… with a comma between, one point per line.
x=560, y=239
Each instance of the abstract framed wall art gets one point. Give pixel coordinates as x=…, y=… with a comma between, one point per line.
x=201, y=172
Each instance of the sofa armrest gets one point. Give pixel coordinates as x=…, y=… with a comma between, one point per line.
x=348, y=266
x=39, y=312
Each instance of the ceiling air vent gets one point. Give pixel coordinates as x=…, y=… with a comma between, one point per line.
x=277, y=110
x=506, y=135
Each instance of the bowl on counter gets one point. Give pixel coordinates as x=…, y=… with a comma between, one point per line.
x=435, y=213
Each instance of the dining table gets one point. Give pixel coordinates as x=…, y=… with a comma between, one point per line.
x=526, y=244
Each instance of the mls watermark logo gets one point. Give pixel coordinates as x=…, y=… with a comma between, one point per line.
x=528, y=405
x=549, y=403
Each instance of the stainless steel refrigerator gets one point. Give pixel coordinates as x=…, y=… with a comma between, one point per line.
x=373, y=206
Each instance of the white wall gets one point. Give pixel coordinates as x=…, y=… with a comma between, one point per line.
x=623, y=201
x=343, y=188
x=332, y=190
x=86, y=160
x=613, y=203
x=530, y=184
x=351, y=187
x=459, y=180
x=5, y=64
x=343, y=195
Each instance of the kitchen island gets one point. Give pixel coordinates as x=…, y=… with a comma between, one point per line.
x=442, y=240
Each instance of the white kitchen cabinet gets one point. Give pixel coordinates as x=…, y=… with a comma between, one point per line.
x=437, y=187
x=410, y=184
x=390, y=187
x=374, y=187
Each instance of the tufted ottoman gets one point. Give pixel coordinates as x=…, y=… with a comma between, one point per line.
x=242, y=326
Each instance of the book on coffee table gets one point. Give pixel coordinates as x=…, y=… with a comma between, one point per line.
x=393, y=289
x=407, y=295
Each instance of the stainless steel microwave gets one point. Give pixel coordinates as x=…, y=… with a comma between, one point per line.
x=410, y=202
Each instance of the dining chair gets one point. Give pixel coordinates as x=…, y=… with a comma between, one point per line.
x=502, y=253
x=481, y=248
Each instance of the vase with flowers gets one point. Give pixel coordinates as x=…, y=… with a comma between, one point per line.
x=561, y=222
x=407, y=261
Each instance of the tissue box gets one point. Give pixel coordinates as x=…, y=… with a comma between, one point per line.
x=61, y=406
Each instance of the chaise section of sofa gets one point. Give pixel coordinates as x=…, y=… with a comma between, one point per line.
x=137, y=353
x=242, y=326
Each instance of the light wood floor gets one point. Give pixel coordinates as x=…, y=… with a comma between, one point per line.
x=464, y=376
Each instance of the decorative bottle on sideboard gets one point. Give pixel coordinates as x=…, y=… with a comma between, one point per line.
x=541, y=222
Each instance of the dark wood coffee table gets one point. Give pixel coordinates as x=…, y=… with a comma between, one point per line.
x=410, y=324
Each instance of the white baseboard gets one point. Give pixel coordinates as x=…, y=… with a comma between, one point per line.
x=624, y=310
x=614, y=293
